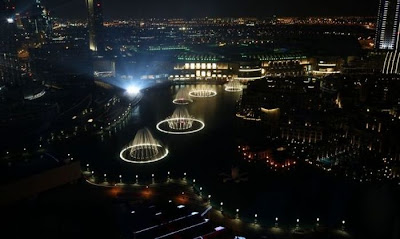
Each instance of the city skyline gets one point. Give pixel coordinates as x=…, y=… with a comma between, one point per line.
x=219, y=119
x=221, y=8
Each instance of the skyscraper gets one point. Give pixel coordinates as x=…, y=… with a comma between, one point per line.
x=387, y=34
x=40, y=23
x=95, y=25
x=9, y=65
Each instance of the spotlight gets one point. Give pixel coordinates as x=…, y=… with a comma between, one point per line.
x=133, y=90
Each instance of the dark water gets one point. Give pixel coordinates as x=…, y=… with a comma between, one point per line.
x=304, y=192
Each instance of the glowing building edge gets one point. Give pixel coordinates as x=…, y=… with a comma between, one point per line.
x=121, y=154
x=202, y=125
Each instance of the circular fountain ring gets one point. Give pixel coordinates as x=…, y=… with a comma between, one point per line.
x=125, y=154
x=143, y=149
x=166, y=122
x=182, y=97
x=202, y=93
x=182, y=101
x=234, y=86
x=233, y=89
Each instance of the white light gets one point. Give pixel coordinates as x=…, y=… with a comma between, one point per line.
x=343, y=222
x=133, y=90
x=180, y=206
x=219, y=228
x=166, y=121
x=10, y=20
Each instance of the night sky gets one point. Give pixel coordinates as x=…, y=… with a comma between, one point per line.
x=212, y=8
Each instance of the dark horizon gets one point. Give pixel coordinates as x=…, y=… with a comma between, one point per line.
x=114, y=9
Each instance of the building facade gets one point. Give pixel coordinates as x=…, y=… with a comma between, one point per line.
x=95, y=25
x=9, y=65
x=387, y=34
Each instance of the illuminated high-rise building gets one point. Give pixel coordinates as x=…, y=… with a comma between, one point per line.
x=9, y=65
x=95, y=25
x=387, y=34
x=40, y=23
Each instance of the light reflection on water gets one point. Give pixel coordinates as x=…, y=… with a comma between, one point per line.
x=210, y=153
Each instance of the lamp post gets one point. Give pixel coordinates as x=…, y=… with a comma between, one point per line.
x=276, y=222
x=343, y=225
x=237, y=213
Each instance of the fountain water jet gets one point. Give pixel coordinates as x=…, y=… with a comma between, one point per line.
x=182, y=97
x=143, y=149
x=202, y=91
x=180, y=122
x=234, y=86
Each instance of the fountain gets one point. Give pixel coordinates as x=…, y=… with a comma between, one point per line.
x=182, y=97
x=180, y=122
x=143, y=149
x=202, y=91
x=234, y=86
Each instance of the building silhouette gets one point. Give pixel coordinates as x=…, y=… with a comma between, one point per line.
x=95, y=25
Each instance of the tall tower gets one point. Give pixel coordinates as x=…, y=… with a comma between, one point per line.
x=387, y=34
x=40, y=21
x=387, y=31
x=9, y=65
x=95, y=25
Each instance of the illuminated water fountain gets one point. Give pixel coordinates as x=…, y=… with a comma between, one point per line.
x=182, y=97
x=234, y=86
x=180, y=122
x=203, y=91
x=143, y=149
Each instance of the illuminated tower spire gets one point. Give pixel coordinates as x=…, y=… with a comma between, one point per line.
x=95, y=25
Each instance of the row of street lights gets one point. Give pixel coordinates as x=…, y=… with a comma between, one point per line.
x=221, y=208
